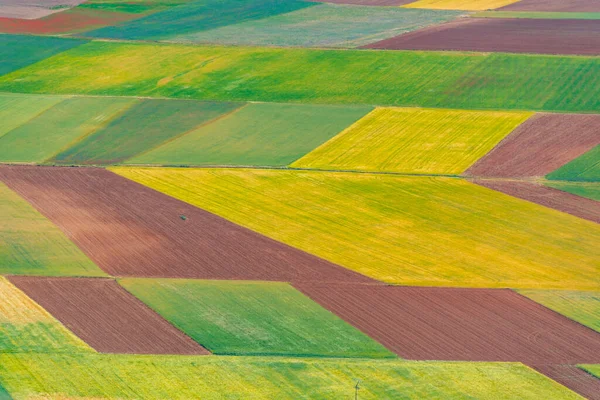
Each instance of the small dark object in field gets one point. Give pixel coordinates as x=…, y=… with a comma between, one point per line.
x=183, y=217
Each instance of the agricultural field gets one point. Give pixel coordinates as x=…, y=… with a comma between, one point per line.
x=583, y=307
x=325, y=25
x=25, y=327
x=256, y=134
x=405, y=230
x=299, y=199
x=543, y=36
x=32, y=245
x=105, y=316
x=427, y=79
x=591, y=190
x=417, y=141
x=252, y=318
x=168, y=377
x=585, y=168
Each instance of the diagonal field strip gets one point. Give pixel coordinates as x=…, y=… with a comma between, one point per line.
x=106, y=316
x=574, y=378
x=150, y=234
x=459, y=324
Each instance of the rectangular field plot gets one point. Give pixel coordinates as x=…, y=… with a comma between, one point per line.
x=253, y=318
x=459, y=324
x=17, y=109
x=27, y=327
x=325, y=25
x=473, y=5
x=540, y=145
x=32, y=245
x=585, y=168
x=415, y=141
x=59, y=127
x=106, y=317
x=543, y=36
x=591, y=190
x=197, y=16
x=449, y=80
x=257, y=134
x=263, y=378
x=405, y=230
x=580, y=306
x=145, y=125
x=150, y=234
x=18, y=51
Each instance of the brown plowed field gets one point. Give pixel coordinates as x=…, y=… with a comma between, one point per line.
x=390, y=3
x=546, y=196
x=423, y=323
x=554, y=5
x=540, y=145
x=128, y=229
x=106, y=316
x=572, y=377
x=546, y=36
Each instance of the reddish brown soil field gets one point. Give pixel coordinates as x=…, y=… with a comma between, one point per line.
x=63, y=22
x=106, y=316
x=130, y=230
x=390, y=3
x=545, y=36
x=546, y=196
x=540, y=145
x=572, y=377
x=459, y=324
x=554, y=5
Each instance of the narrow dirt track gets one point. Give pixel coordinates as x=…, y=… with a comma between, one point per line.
x=572, y=377
x=554, y=5
x=516, y=35
x=546, y=196
x=540, y=145
x=128, y=229
x=106, y=316
x=423, y=323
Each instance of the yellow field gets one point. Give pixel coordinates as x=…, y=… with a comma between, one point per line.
x=25, y=326
x=474, y=5
x=403, y=230
x=414, y=140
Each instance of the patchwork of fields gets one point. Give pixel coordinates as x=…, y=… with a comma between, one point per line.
x=293, y=199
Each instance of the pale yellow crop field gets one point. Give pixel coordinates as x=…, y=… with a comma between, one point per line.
x=403, y=230
x=414, y=140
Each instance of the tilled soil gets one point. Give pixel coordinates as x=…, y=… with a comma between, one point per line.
x=516, y=35
x=554, y=5
x=540, y=145
x=572, y=377
x=423, y=323
x=106, y=316
x=546, y=196
x=130, y=230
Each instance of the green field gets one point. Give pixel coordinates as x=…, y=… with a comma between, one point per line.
x=58, y=127
x=324, y=25
x=253, y=318
x=406, y=78
x=592, y=369
x=4, y=394
x=196, y=16
x=32, y=245
x=414, y=140
x=591, y=190
x=29, y=376
x=581, y=306
x=17, y=109
x=27, y=327
x=18, y=51
x=536, y=15
x=257, y=134
x=584, y=168
x=404, y=230
x=145, y=125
